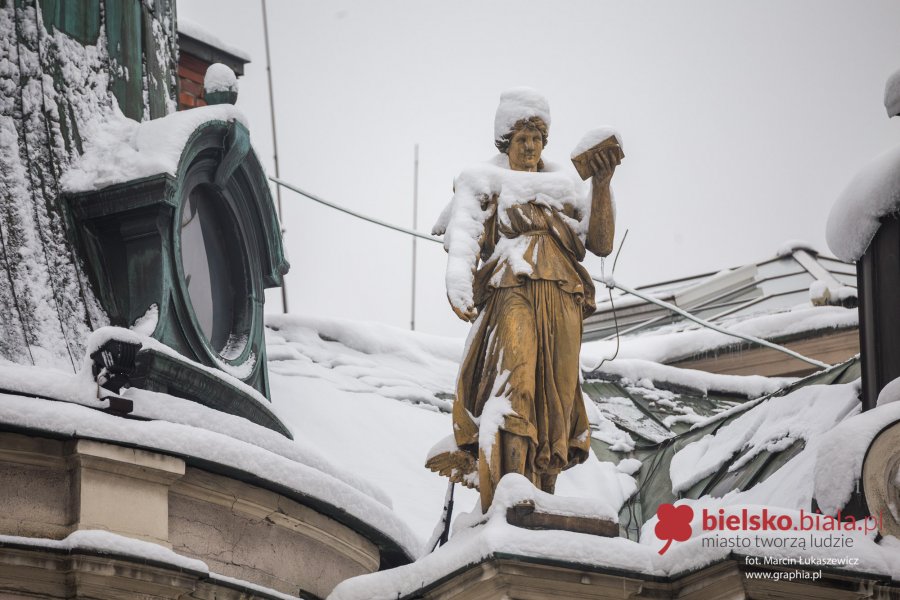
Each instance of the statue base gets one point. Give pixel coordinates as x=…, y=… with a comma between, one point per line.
x=524, y=514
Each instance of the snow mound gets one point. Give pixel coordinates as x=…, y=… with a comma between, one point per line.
x=219, y=78
x=594, y=137
x=841, y=453
x=855, y=217
x=517, y=104
x=118, y=149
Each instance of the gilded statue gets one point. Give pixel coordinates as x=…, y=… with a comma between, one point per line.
x=516, y=232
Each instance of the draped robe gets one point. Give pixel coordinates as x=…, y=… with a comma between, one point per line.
x=520, y=373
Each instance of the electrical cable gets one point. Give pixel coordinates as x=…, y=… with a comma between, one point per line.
x=321, y=200
x=605, y=281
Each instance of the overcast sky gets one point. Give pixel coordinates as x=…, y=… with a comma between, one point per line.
x=742, y=121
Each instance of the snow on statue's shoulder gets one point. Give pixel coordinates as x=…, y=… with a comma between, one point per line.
x=472, y=205
x=855, y=217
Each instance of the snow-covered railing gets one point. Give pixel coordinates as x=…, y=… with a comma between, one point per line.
x=607, y=281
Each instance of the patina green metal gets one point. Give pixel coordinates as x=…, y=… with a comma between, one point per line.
x=159, y=372
x=221, y=97
x=160, y=50
x=123, y=43
x=129, y=235
x=80, y=19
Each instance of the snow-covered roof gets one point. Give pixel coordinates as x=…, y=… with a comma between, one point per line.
x=118, y=149
x=196, y=31
x=649, y=402
x=748, y=453
x=872, y=194
x=797, y=293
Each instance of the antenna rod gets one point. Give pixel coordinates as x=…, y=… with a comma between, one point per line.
x=284, y=300
x=412, y=319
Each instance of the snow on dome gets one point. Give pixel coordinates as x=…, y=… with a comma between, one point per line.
x=219, y=78
x=517, y=104
x=892, y=94
x=872, y=194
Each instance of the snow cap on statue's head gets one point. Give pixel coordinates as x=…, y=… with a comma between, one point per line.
x=517, y=104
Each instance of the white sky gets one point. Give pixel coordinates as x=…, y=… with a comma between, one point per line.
x=742, y=122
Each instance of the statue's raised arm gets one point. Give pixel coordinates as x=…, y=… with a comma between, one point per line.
x=596, y=157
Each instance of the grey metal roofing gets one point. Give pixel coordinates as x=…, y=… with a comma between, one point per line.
x=767, y=287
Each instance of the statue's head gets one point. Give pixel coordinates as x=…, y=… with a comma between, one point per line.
x=524, y=144
x=521, y=128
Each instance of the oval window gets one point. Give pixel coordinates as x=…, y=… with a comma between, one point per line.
x=212, y=266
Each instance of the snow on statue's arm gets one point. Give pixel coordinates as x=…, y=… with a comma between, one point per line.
x=463, y=237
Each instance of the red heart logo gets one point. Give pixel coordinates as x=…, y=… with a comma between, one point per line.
x=674, y=524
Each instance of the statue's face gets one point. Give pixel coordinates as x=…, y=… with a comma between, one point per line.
x=525, y=149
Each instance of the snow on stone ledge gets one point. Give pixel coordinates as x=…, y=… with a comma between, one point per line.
x=477, y=536
x=118, y=149
x=62, y=418
x=872, y=194
x=496, y=537
x=193, y=30
x=105, y=542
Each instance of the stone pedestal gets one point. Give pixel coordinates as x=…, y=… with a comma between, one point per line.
x=123, y=490
x=524, y=515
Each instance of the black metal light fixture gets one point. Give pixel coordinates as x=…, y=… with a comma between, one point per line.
x=114, y=363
